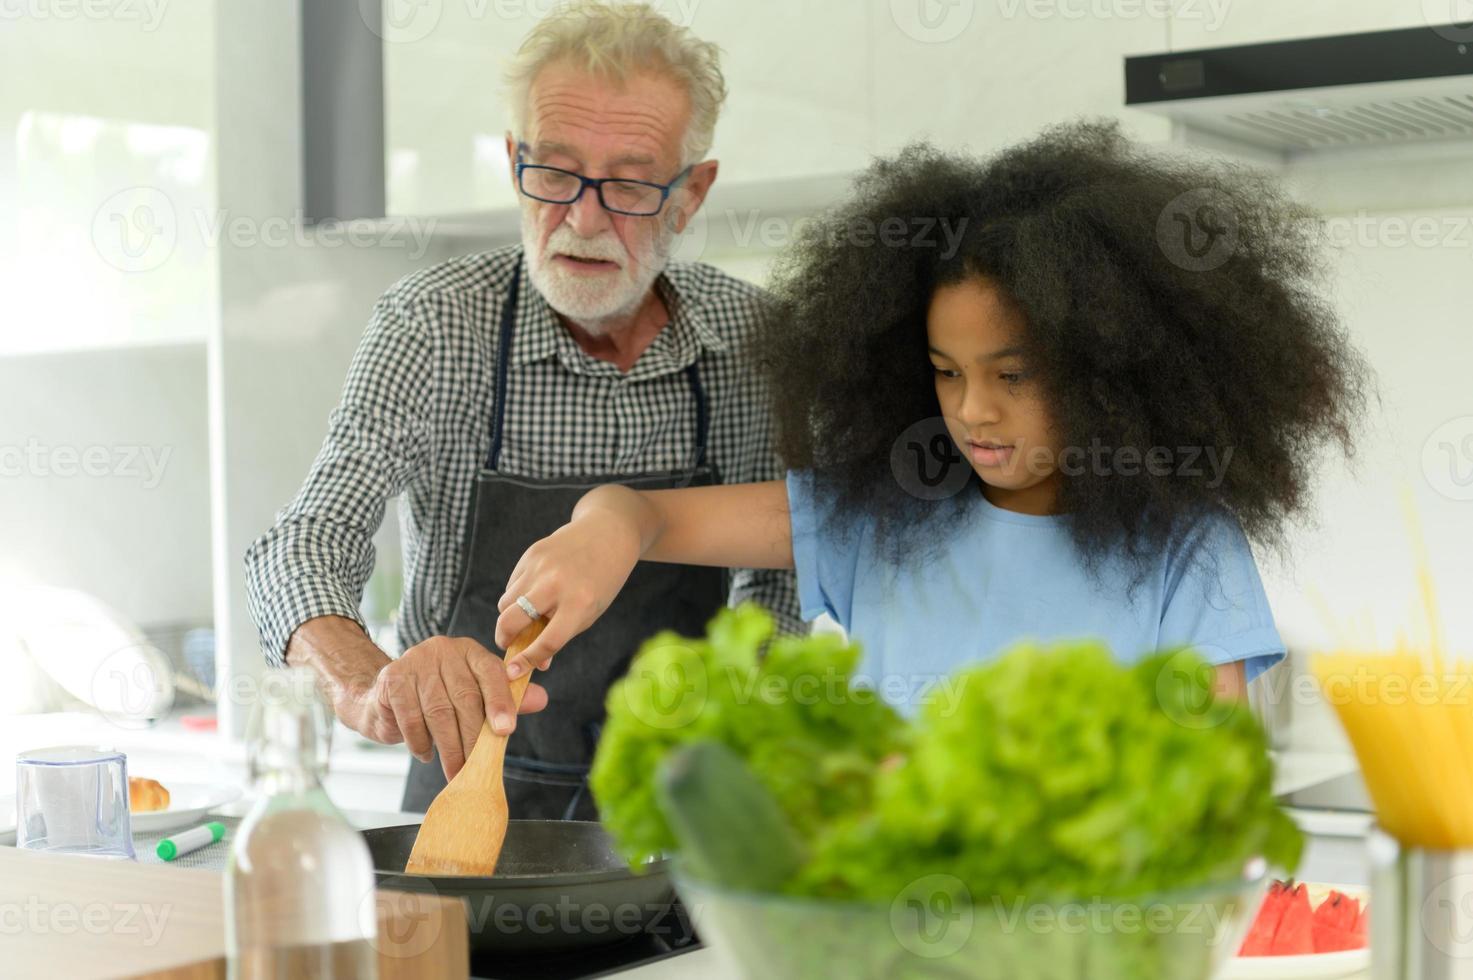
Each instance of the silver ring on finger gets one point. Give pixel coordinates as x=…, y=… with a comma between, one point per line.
x=526, y=606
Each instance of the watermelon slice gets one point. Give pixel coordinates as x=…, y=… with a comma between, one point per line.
x=1334, y=925
x=1349, y=910
x=1329, y=939
x=1337, y=911
x=1260, y=938
x=1295, y=934
x=1287, y=925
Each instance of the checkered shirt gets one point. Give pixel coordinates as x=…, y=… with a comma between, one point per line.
x=415, y=422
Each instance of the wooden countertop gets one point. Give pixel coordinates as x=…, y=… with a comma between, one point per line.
x=78, y=917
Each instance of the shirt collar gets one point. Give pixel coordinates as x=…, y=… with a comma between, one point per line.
x=682, y=296
x=539, y=335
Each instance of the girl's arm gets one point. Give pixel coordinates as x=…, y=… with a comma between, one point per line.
x=1230, y=681
x=572, y=575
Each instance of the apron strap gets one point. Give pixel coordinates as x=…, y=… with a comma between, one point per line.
x=703, y=411
x=503, y=360
x=503, y=363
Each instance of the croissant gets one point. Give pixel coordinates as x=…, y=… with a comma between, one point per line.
x=146, y=794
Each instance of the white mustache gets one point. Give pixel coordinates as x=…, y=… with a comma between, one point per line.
x=564, y=241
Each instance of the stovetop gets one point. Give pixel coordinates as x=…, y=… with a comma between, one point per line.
x=669, y=936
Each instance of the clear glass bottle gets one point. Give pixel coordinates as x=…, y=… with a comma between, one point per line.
x=299, y=898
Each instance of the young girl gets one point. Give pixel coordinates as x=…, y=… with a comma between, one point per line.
x=1064, y=418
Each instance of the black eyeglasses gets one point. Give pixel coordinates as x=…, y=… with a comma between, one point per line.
x=554, y=185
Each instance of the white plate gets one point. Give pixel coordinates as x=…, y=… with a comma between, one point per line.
x=1314, y=966
x=1318, y=966
x=188, y=804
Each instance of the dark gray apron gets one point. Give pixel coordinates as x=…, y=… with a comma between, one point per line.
x=549, y=753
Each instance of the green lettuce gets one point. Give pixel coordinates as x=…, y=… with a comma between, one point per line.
x=1053, y=771
x=785, y=705
x=1059, y=773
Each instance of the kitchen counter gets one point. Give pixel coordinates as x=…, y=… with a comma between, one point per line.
x=1336, y=835
x=704, y=961
x=1346, y=828
x=361, y=774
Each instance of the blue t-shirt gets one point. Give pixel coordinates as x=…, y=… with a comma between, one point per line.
x=1000, y=578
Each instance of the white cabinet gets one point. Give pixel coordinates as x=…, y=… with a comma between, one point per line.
x=799, y=81
x=816, y=89
x=797, y=74
x=998, y=72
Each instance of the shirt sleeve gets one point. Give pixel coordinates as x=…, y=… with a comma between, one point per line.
x=1215, y=600
x=319, y=554
x=826, y=559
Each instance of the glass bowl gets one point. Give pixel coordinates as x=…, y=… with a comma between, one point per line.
x=929, y=931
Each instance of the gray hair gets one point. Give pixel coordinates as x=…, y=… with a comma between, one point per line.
x=617, y=40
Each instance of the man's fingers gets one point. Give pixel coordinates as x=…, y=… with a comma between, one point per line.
x=370, y=714
x=384, y=728
x=501, y=711
x=439, y=716
x=403, y=699
x=533, y=699
x=464, y=691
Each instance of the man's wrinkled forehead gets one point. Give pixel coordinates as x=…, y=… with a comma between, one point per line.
x=607, y=122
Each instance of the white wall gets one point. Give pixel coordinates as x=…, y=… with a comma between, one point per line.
x=293, y=306
x=1407, y=306
x=104, y=477
x=1352, y=580
x=106, y=120
x=816, y=88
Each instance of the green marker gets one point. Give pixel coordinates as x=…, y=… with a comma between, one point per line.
x=190, y=841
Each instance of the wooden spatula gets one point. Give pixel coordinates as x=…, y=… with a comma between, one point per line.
x=465, y=826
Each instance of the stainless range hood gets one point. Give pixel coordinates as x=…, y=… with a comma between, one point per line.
x=1318, y=95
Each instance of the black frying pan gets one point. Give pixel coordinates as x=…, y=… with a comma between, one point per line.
x=559, y=885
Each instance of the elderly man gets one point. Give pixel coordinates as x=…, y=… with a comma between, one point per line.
x=493, y=390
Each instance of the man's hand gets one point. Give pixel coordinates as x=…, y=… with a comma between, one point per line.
x=440, y=691
x=435, y=695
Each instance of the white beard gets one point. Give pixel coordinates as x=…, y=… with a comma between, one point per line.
x=593, y=301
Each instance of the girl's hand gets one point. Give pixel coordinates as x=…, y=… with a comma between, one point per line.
x=570, y=577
